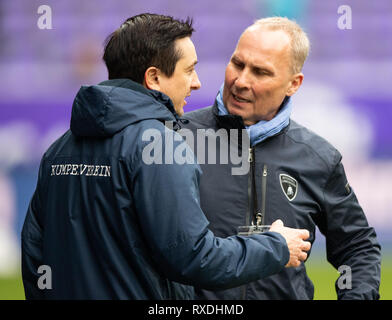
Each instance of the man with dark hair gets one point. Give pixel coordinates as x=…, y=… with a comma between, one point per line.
x=108, y=224
x=154, y=35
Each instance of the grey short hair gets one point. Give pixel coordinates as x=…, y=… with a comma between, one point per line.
x=300, y=44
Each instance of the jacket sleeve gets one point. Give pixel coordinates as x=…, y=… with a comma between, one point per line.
x=32, y=245
x=352, y=246
x=176, y=230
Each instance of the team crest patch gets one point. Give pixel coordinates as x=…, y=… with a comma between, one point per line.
x=289, y=186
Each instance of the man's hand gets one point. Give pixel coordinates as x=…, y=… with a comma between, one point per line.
x=295, y=242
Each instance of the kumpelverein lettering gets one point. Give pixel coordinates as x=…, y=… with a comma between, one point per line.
x=80, y=170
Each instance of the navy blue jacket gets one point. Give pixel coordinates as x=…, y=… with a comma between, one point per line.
x=111, y=226
x=298, y=177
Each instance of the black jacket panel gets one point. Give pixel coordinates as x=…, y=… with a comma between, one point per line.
x=322, y=198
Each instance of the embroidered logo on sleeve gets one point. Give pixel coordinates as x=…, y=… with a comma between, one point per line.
x=289, y=186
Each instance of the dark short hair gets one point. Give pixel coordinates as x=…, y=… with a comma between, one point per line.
x=143, y=41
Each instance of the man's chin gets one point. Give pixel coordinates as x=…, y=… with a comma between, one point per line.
x=240, y=113
x=235, y=111
x=180, y=111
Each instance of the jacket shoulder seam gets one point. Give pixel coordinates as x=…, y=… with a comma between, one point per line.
x=315, y=152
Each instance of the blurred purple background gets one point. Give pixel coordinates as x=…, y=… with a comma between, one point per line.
x=346, y=96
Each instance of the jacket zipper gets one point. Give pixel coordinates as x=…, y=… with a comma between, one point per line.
x=250, y=204
x=263, y=193
x=260, y=215
x=250, y=176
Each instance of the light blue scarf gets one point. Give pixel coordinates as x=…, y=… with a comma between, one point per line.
x=262, y=129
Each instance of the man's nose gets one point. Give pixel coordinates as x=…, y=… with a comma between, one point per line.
x=195, y=85
x=242, y=80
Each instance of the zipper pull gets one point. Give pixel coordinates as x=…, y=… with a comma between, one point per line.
x=265, y=171
x=259, y=219
x=250, y=157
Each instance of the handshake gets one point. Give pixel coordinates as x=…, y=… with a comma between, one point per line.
x=295, y=242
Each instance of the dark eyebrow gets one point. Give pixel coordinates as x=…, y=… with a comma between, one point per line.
x=263, y=70
x=192, y=65
x=236, y=59
x=257, y=68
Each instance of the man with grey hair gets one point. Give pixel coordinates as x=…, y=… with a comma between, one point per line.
x=294, y=175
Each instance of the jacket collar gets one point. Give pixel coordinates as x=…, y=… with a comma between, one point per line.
x=228, y=121
x=104, y=109
x=129, y=84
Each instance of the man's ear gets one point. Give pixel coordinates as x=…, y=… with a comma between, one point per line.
x=295, y=83
x=151, y=78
